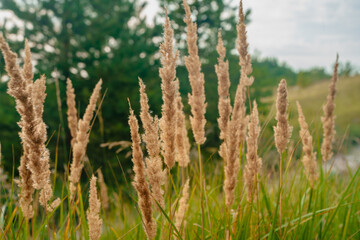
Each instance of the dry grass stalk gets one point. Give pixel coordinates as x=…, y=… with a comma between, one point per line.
x=282, y=130
x=254, y=163
x=71, y=112
x=94, y=221
x=232, y=147
x=123, y=145
x=236, y=133
x=182, y=144
x=309, y=158
x=30, y=96
x=196, y=78
x=27, y=71
x=154, y=165
x=224, y=104
x=183, y=207
x=103, y=190
x=82, y=139
x=328, y=120
x=168, y=87
x=140, y=183
x=17, y=87
x=242, y=47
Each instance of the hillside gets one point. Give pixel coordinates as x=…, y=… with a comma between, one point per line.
x=313, y=97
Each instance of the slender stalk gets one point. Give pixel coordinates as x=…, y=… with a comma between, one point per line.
x=182, y=176
x=201, y=193
x=58, y=100
x=47, y=221
x=280, y=189
x=169, y=194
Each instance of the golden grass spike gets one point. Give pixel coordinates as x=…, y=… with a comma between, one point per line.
x=182, y=139
x=253, y=161
x=196, y=78
x=71, y=112
x=93, y=212
x=168, y=109
x=103, y=190
x=282, y=131
x=183, y=207
x=30, y=96
x=309, y=158
x=242, y=47
x=328, y=120
x=82, y=139
x=140, y=183
x=154, y=165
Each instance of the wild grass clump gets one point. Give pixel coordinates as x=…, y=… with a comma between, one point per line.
x=176, y=194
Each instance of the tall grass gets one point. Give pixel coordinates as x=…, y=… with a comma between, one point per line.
x=203, y=198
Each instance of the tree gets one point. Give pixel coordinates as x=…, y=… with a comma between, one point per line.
x=85, y=40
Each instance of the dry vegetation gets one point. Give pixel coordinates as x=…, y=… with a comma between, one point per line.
x=195, y=198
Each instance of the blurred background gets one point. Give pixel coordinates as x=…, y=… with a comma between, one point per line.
x=118, y=40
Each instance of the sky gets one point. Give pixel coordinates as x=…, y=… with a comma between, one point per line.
x=302, y=33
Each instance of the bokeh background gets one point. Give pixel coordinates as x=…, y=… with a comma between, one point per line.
x=118, y=41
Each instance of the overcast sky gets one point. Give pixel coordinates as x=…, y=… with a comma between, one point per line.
x=303, y=33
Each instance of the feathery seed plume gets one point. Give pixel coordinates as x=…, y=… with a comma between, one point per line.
x=282, y=131
x=242, y=47
x=140, y=183
x=154, y=166
x=71, y=112
x=82, y=139
x=224, y=104
x=27, y=71
x=103, y=190
x=94, y=221
x=235, y=129
x=182, y=140
x=254, y=163
x=196, y=78
x=17, y=87
x=183, y=207
x=309, y=158
x=328, y=120
x=30, y=96
x=168, y=109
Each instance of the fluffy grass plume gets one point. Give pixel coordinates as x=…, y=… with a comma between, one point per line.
x=236, y=128
x=103, y=190
x=309, y=158
x=242, y=47
x=30, y=96
x=82, y=139
x=168, y=87
x=140, y=183
x=71, y=112
x=93, y=212
x=282, y=130
x=180, y=221
x=224, y=103
x=254, y=162
x=196, y=78
x=154, y=165
x=328, y=120
x=182, y=144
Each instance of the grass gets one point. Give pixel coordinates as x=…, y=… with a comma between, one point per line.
x=330, y=210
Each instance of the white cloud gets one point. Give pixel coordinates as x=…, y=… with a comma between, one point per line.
x=303, y=33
